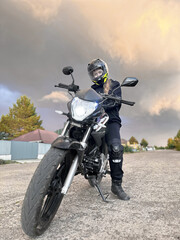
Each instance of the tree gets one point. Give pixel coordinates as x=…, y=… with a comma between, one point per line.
x=133, y=140
x=178, y=134
x=171, y=143
x=177, y=141
x=174, y=143
x=59, y=131
x=22, y=118
x=4, y=136
x=144, y=143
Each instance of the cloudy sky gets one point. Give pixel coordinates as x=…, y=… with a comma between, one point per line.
x=136, y=38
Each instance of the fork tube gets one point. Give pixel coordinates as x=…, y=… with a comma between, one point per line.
x=86, y=135
x=74, y=166
x=64, y=129
x=70, y=175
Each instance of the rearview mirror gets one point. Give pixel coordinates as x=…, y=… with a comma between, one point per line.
x=67, y=70
x=129, y=82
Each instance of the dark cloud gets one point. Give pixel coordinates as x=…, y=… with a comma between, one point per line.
x=35, y=47
x=155, y=129
x=33, y=53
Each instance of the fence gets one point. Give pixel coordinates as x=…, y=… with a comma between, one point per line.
x=16, y=150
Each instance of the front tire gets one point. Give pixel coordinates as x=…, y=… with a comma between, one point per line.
x=43, y=196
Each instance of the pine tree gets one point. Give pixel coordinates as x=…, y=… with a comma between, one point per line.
x=22, y=118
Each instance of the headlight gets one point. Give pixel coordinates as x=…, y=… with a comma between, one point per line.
x=81, y=109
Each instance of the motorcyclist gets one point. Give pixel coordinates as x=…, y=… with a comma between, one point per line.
x=98, y=72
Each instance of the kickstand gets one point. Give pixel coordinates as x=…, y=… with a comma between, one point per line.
x=100, y=192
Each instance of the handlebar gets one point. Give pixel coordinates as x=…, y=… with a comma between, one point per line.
x=74, y=88
x=118, y=100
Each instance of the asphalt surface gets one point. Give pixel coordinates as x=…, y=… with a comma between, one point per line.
x=152, y=179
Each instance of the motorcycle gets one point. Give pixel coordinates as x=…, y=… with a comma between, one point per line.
x=80, y=149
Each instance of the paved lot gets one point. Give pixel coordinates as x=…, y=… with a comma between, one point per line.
x=152, y=179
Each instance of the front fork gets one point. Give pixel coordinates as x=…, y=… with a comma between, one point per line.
x=74, y=164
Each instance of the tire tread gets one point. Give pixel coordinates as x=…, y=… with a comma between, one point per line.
x=37, y=189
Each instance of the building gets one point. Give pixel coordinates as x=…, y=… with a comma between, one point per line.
x=124, y=142
x=38, y=135
x=32, y=145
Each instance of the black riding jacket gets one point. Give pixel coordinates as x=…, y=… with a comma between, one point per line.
x=113, y=112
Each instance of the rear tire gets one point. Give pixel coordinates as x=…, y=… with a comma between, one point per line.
x=93, y=181
x=97, y=179
x=43, y=196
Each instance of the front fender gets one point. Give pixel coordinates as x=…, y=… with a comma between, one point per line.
x=62, y=143
x=68, y=143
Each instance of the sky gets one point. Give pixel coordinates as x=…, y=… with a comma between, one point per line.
x=135, y=38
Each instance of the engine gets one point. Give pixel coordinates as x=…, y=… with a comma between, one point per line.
x=92, y=162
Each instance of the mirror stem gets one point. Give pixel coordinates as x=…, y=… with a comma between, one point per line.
x=72, y=78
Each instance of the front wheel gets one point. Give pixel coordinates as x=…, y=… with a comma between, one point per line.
x=43, y=196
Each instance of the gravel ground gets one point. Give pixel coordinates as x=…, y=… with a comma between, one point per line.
x=152, y=179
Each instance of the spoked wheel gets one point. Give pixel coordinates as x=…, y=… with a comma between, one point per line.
x=43, y=196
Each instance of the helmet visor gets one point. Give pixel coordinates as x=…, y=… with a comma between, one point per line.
x=96, y=74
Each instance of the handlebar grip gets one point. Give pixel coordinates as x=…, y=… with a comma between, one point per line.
x=61, y=85
x=127, y=102
x=72, y=87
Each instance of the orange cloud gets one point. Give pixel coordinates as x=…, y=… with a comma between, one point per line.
x=43, y=10
x=135, y=31
x=165, y=103
x=57, y=97
x=164, y=99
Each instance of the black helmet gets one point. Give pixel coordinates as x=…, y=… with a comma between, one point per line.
x=95, y=65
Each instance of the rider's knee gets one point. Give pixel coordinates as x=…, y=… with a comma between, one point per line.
x=116, y=152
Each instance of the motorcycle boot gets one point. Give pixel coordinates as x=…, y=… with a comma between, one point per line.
x=117, y=189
